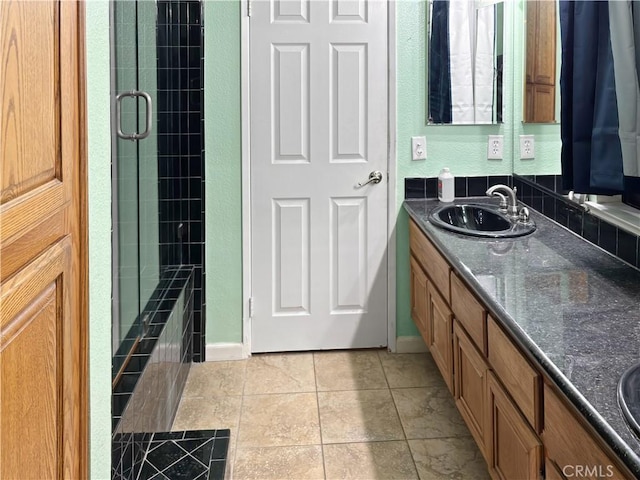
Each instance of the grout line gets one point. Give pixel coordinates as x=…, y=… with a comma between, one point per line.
x=315, y=379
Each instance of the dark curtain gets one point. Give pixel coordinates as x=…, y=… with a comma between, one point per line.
x=439, y=67
x=591, y=153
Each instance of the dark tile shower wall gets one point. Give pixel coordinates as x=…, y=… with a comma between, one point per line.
x=146, y=396
x=181, y=146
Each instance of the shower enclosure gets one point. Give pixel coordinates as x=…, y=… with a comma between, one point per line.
x=136, y=255
x=157, y=216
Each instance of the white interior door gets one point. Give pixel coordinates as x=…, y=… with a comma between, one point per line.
x=318, y=80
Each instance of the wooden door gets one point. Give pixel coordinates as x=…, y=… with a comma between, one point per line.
x=420, y=301
x=514, y=449
x=441, y=346
x=318, y=78
x=470, y=385
x=43, y=304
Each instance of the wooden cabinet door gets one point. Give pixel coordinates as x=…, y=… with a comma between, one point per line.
x=470, y=385
x=441, y=346
x=43, y=313
x=419, y=301
x=514, y=449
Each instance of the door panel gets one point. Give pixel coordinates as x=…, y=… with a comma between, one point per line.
x=318, y=80
x=35, y=316
x=43, y=314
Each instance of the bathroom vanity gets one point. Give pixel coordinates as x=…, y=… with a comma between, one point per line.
x=531, y=335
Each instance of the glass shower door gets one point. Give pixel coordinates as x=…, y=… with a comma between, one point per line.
x=136, y=253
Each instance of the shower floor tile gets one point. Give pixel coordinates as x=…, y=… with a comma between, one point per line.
x=188, y=455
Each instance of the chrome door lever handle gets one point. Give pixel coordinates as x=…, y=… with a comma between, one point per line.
x=374, y=177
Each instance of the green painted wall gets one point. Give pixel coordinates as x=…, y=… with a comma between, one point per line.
x=99, y=193
x=223, y=168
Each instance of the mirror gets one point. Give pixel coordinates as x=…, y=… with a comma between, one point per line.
x=542, y=62
x=465, y=62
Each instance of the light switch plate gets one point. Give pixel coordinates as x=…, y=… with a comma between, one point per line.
x=527, y=147
x=418, y=148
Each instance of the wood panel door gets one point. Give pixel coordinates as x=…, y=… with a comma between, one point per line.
x=43, y=312
x=513, y=447
x=470, y=385
x=441, y=346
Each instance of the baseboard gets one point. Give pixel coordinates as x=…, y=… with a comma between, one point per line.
x=216, y=352
x=410, y=345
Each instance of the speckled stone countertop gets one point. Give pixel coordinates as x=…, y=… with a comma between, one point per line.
x=574, y=307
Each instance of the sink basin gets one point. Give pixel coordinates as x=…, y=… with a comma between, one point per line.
x=479, y=221
x=629, y=397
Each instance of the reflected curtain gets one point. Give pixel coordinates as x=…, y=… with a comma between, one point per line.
x=591, y=151
x=461, y=62
x=439, y=68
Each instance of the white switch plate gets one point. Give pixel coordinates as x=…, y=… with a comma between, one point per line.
x=495, y=147
x=419, y=148
x=527, y=147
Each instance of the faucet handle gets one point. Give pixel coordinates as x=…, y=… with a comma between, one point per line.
x=523, y=216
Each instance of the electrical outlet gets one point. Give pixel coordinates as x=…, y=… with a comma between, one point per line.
x=527, y=147
x=495, y=147
x=418, y=148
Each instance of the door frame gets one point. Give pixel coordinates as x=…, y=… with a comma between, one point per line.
x=246, y=176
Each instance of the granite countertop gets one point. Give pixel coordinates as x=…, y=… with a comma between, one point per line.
x=574, y=307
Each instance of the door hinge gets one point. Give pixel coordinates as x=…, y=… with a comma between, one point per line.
x=248, y=8
x=251, y=307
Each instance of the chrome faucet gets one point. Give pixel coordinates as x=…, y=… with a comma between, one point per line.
x=510, y=205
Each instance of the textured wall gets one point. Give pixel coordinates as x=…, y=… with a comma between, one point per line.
x=223, y=207
x=99, y=186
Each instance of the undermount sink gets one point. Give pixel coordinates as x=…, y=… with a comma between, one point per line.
x=629, y=397
x=479, y=221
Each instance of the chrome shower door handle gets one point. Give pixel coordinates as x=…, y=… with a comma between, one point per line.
x=149, y=123
x=374, y=177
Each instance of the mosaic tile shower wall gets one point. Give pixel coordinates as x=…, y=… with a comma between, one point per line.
x=181, y=146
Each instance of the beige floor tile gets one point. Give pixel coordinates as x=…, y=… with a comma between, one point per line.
x=410, y=370
x=358, y=416
x=279, y=463
x=279, y=420
x=213, y=379
x=428, y=412
x=280, y=373
x=369, y=461
x=356, y=370
x=448, y=458
x=198, y=413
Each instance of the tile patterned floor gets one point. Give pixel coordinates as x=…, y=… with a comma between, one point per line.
x=332, y=415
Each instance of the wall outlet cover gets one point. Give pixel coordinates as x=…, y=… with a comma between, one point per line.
x=527, y=147
x=495, y=147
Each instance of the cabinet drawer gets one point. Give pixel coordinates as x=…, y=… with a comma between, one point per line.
x=520, y=379
x=433, y=263
x=469, y=313
x=571, y=446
